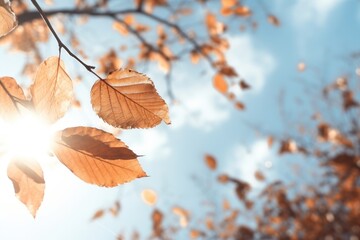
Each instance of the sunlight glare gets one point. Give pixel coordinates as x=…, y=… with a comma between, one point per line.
x=28, y=136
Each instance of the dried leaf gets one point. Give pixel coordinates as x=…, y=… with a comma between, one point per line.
x=259, y=176
x=273, y=20
x=97, y=157
x=239, y=105
x=243, y=11
x=128, y=99
x=52, y=90
x=114, y=210
x=184, y=216
x=7, y=19
x=29, y=184
x=244, y=85
x=210, y=161
x=9, y=92
x=220, y=84
x=149, y=196
x=157, y=219
x=98, y=214
x=301, y=66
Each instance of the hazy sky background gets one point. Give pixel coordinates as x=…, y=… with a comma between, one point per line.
x=320, y=33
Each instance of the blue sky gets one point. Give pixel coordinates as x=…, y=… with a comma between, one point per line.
x=318, y=32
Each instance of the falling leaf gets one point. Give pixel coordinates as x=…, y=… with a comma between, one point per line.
x=149, y=196
x=114, y=210
x=273, y=20
x=228, y=3
x=259, y=176
x=244, y=85
x=52, y=90
x=220, y=84
x=270, y=141
x=243, y=11
x=98, y=214
x=157, y=219
x=210, y=161
x=183, y=215
x=97, y=157
x=7, y=19
x=239, y=105
x=10, y=92
x=301, y=66
x=29, y=184
x=128, y=99
x=223, y=178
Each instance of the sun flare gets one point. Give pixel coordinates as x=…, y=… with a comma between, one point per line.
x=28, y=136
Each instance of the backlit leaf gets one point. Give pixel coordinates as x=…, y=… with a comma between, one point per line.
x=97, y=157
x=210, y=161
x=149, y=196
x=7, y=19
x=9, y=92
x=52, y=90
x=29, y=184
x=220, y=84
x=128, y=99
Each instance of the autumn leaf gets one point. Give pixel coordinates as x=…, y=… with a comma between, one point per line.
x=210, y=161
x=52, y=90
x=220, y=84
x=149, y=196
x=244, y=85
x=7, y=19
x=114, y=210
x=128, y=99
x=98, y=214
x=183, y=214
x=10, y=92
x=273, y=20
x=29, y=184
x=97, y=157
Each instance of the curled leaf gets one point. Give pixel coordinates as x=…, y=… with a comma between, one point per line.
x=97, y=157
x=52, y=90
x=128, y=99
x=7, y=19
x=29, y=184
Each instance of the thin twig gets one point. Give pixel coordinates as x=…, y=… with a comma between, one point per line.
x=60, y=43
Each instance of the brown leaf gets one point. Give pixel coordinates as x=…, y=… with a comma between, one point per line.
x=183, y=214
x=244, y=85
x=259, y=176
x=52, y=90
x=220, y=84
x=114, y=210
x=7, y=19
x=98, y=214
x=273, y=20
x=97, y=157
x=149, y=196
x=128, y=99
x=9, y=92
x=210, y=161
x=239, y=105
x=243, y=11
x=29, y=184
x=157, y=219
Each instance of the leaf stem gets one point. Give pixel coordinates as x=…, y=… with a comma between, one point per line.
x=60, y=43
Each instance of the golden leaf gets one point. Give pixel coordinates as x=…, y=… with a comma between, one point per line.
x=149, y=197
x=220, y=84
x=128, y=99
x=210, y=161
x=29, y=184
x=97, y=157
x=10, y=92
x=7, y=19
x=52, y=90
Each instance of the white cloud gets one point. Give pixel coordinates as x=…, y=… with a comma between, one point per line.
x=246, y=161
x=153, y=143
x=314, y=11
x=201, y=106
x=252, y=64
